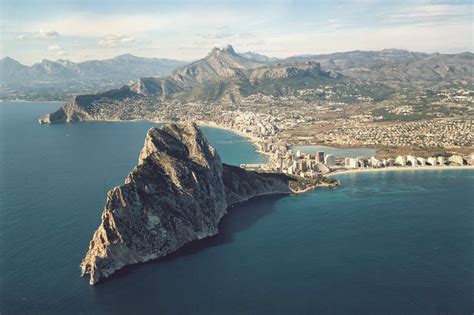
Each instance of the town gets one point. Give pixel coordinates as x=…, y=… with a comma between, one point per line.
x=264, y=131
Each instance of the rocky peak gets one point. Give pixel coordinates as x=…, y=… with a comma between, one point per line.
x=8, y=60
x=180, y=142
x=65, y=62
x=46, y=62
x=177, y=194
x=227, y=50
x=127, y=57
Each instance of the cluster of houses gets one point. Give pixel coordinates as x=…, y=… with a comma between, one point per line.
x=306, y=165
x=408, y=160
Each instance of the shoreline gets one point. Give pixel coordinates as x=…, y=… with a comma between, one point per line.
x=252, y=139
x=238, y=132
x=400, y=168
x=27, y=101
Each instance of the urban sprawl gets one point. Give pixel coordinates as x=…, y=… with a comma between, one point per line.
x=264, y=132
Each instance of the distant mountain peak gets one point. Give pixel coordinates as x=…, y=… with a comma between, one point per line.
x=258, y=57
x=46, y=61
x=65, y=62
x=119, y=70
x=7, y=58
x=127, y=57
x=227, y=49
x=9, y=61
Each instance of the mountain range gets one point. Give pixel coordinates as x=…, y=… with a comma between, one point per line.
x=224, y=74
x=56, y=80
x=396, y=65
x=125, y=67
x=226, y=77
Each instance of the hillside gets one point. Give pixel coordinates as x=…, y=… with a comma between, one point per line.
x=397, y=66
x=224, y=78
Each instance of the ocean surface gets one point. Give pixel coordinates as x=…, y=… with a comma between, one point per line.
x=384, y=242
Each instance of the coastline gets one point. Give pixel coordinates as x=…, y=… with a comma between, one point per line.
x=240, y=133
x=27, y=101
x=252, y=139
x=400, y=168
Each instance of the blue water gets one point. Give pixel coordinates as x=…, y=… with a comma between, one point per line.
x=337, y=152
x=385, y=242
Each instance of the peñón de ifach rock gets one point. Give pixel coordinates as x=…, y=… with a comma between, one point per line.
x=178, y=193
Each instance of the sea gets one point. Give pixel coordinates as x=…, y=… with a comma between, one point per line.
x=382, y=243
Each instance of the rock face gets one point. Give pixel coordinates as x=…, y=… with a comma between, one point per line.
x=84, y=107
x=68, y=113
x=178, y=193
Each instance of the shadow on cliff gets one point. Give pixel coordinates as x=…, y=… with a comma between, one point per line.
x=239, y=218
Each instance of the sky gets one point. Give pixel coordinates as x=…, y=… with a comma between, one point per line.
x=78, y=30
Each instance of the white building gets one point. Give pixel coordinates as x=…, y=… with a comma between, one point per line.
x=389, y=162
x=290, y=170
x=431, y=161
x=330, y=160
x=456, y=159
x=401, y=160
x=321, y=168
x=421, y=161
x=412, y=160
x=351, y=163
x=374, y=162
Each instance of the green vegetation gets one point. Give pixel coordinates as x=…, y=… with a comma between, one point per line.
x=387, y=116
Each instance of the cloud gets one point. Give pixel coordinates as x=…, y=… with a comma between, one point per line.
x=41, y=34
x=281, y=29
x=245, y=35
x=429, y=14
x=260, y=42
x=56, y=50
x=85, y=24
x=410, y=37
x=226, y=35
x=44, y=34
x=23, y=37
x=116, y=41
x=216, y=35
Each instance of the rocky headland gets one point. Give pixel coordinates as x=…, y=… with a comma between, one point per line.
x=178, y=193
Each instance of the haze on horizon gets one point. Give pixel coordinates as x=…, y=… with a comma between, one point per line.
x=84, y=30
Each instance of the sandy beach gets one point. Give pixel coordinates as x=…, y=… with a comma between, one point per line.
x=252, y=139
x=240, y=133
x=400, y=168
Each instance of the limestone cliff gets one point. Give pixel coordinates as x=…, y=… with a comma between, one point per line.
x=178, y=193
x=71, y=111
x=109, y=105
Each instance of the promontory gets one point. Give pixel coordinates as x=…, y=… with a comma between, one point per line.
x=178, y=193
